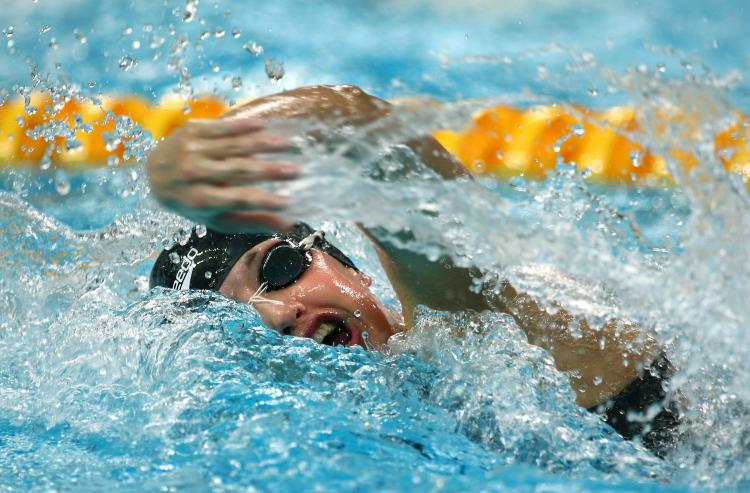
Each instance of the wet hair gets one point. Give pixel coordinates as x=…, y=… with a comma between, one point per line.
x=204, y=261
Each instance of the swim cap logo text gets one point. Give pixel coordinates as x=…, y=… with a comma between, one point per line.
x=182, y=280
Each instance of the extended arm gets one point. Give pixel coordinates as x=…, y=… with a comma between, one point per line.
x=601, y=361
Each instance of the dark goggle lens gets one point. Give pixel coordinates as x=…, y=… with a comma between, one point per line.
x=282, y=266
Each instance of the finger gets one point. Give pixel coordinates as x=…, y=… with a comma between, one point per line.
x=230, y=127
x=247, y=170
x=241, y=146
x=232, y=198
x=240, y=222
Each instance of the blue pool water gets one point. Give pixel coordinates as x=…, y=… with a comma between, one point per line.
x=106, y=385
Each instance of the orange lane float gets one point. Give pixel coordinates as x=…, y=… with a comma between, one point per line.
x=502, y=140
x=508, y=141
x=81, y=133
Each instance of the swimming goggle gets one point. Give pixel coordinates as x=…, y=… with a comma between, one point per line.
x=285, y=262
x=283, y=265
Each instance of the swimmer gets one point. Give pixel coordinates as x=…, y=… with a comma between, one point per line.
x=302, y=285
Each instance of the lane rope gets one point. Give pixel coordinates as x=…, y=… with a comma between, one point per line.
x=504, y=141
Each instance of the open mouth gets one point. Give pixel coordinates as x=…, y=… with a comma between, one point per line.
x=332, y=333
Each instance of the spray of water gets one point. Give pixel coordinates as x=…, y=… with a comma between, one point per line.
x=104, y=383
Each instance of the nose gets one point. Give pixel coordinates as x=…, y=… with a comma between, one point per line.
x=282, y=317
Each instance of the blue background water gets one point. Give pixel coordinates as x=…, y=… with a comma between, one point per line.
x=103, y=385
x=391, y=48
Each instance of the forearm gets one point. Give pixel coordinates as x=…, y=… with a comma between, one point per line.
x=601, y=361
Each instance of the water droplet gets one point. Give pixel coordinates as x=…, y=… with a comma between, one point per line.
x=45, y=29
x=148, y=27
x=274, y=71
x=155, y=41
x=136, y=44
x=62, y=184
x=236, y=83
x=636, y=158
x=80, y=37
x=52, y=44
x=593, y=91
x=366, y=340
x=183, y=237
x=518, y=183
x=578, y=129
x=200, y=231
x=204, y=35
x=253, y=48
x=45, y=163
x=208, y=274
x=358, y=313
x=72, y=144
x=236, y=33
x=127, y=31
x=92, y=84
x=167, y=243
x=661, y=68
x=126, y=63
x=558, y=144
x=191, y=9
x=499, y=154
x=174, y=257
x=8, y=31
x=219, y=33
x=597, y=380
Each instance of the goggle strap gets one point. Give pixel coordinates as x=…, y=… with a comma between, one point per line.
x=309, y=241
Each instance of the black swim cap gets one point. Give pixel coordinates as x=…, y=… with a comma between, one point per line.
x=205, y=260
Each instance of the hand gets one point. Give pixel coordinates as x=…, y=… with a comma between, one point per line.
x=207, y=171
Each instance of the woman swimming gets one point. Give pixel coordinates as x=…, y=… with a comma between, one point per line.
x=304, y=286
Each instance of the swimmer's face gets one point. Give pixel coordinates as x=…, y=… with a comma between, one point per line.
x=329, y=302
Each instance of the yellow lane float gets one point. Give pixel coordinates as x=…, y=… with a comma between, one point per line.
x=502, y=140
x=508, y=141
x=93, y=140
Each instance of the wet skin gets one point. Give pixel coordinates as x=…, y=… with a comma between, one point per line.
x=326, y=293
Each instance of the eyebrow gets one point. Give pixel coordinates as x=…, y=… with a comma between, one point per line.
x=252, y=257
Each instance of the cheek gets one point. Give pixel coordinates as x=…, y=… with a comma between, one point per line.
x=330, y=289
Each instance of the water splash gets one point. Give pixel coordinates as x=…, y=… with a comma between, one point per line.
x=147, y=390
